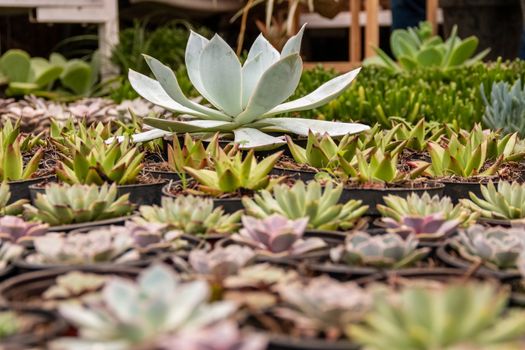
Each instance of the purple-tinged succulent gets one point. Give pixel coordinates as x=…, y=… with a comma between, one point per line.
x=15, y=229
x=221, y=262
x=431, y=227
x=150, y=236
x=224, y=335
x=276, y=234
x=386, y=250
x=323, y=304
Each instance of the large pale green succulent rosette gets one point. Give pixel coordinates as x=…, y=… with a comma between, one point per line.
x=244, y=98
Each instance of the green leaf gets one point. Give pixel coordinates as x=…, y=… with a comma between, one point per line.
x=15, y=65
x=430, y=57
x=463, y=51
x=76, y=76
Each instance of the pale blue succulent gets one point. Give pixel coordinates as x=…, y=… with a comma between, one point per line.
x=244, y=98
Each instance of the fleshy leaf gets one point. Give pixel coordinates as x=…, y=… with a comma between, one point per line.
x=301, y=126
x=253, y=138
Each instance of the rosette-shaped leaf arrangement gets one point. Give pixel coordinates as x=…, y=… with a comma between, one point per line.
x=457, y=316
x=506, y=202
x=15, y=208
x=221, y=262
x=66, y=204
x=192, y=215
x=15, y=229
x=386, y=250
x=396, y=207
x=323, y=304
x=103, y=245
x=153, y=236
x=428, y=228
x=134, y=315
x=277, y=235
x=497, y=247
x=320, y=205
x=245, y=98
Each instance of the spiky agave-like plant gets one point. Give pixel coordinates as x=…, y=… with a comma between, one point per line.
x=254, y=94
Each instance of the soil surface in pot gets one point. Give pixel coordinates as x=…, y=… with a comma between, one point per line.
x=289, y=163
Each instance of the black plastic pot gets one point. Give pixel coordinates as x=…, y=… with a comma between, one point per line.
x=167, y=175
x=281, y=342
x=48, y=325
x=139, y=194
x=446, y=255
x=460, y=190
x=495, y=222
x=374, y=196
x=22, y=289
x=230, y=205
x=20, y=189
x=496, y=23
x=302, y=175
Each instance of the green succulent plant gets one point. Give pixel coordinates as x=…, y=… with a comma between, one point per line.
x=386, y=250
x=192, y=215
x=232, y=173
x=67, y=204
x=378, y=166
x=474, y=312
x=118, y=163
x=14, y=208
x=506, y=202
x=505, y=108
x=10, y=324
x=322, y=152
x=397, y=207
x=416, y=136
x=497, y=247
x=255, y=93
x=415, y=48
x=319, y=205
x=134, y=314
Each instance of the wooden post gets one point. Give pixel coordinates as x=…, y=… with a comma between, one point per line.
x=432, y=9
x=108, y=37
x=354, y=46
x=372, y=27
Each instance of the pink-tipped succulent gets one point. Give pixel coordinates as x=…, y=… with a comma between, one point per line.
x=276, y=234
x=431, y=227
x=151, y=236
x=224, y=335
x=221, y=262
x=15, y=229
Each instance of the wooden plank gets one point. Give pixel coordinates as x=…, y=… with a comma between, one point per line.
x=355, y=32
x=72, y=15
x=49, y=3
x=341, y=67
x=432, y=14
x=372, y=27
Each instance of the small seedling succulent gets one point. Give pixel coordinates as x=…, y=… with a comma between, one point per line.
x=497, y=247
x=475, y=314
x=135, y=314
x=75, y=284
x=259, y=276
x=319, y=204
x=10, y=324
x=386, y=250
x=415, y=205
x=233, y=173
x=15, y=229
x=378, y=166
x=323, y=304
x=222, y=336
x=97, y=246
x=431, y=227
x=221, y=261
x=322, y=152
x=66, y=204
x=192, y=215
x=277, y=234
x=416, y=135
x=507, y=202
x=15, y=208
x=117, y=162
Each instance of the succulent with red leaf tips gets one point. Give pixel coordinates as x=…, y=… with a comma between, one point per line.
x=221, y=262
x=276, y=234
x=17, y=230
x=430, y=227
